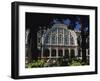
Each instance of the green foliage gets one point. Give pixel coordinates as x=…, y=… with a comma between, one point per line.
x=75, y=62
x=35, y=63
x=60, y=62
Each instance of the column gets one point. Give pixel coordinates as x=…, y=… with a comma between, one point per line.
x=57, y=44
x=50, y=52
x=87, y=53
x=42, y=52
x=42, y=47
x=80, y=53
x=51, y=38
x=57, y=52
x=57, y=36
x=63, y=36
x=69, y=53
x=76, y=52
x=63, y=51
x=69, y=38
x=50, y=44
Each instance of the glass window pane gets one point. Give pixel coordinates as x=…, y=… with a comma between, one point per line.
x=71, y=40
x=66, y=37
x=60, y=36
x=47, y=39
x=54, y=36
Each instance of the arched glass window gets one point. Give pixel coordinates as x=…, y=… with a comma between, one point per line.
x=60, y=36
x=66, y=37
x=47, y=39
x=54, y=36
x=71, y=40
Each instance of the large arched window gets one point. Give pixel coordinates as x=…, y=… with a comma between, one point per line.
x=71, y=40
x=54, y=36
x=60, y=36
x=66, y=37
x=47, y=39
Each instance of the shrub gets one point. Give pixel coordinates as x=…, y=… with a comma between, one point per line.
x=75, y=62
x=35, y=63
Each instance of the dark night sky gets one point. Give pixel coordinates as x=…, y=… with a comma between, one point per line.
x=34, y=20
